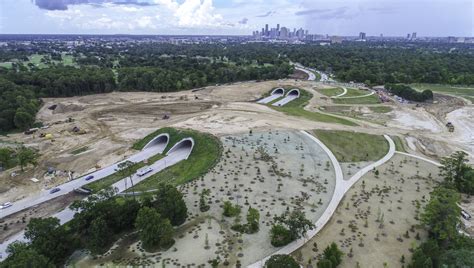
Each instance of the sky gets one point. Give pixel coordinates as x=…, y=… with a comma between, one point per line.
x=237, y=17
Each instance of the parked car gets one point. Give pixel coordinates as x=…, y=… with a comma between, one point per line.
x=90, y=177
x=54, y=190
x=6, y=205
x=144, y=170
x=465, y=215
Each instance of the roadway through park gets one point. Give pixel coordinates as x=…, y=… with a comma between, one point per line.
x=180, y=151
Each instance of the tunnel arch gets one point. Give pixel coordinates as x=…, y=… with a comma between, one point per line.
x=161, y=141
x=279, y=90
x=184, y=146
x=294, y=92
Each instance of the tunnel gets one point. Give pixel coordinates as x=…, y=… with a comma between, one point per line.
x=184, y=148
x=279, y=91
x=160, y=141
x=294, y=92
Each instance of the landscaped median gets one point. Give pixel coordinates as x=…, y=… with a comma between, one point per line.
x=205, y=155
x=296, y=108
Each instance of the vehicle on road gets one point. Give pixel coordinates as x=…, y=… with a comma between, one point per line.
x=6, y=205
x=144, y=170
x=54, y=190
x=90, y=177
x=465, y=215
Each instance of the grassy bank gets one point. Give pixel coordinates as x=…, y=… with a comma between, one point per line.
x=352, y=146
x=330, y=91
x=205, y=155
x=399, y=145
x=372, y=99
x=296, y=108
x=461, y=91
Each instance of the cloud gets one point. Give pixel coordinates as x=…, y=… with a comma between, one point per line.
x=311, y=11
x=269, y=13
x=63, y=4
x=336, y=13
x=243, y=21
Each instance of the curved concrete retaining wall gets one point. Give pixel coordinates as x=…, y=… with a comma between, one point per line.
x=161, y=140
x=184, y=146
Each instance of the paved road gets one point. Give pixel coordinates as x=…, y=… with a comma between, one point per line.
x=270, y=98
x=342, y=186
x=68, y=187
x=285, y=100
x=311, y=75
x=67, y=214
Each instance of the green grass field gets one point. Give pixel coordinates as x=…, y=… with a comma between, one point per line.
x=351, y=92
x=206, y=153
x=330, y=91
x=461, y=91
x=111, y=179
x=296, y=108
x=373, y=99
x=352, y=146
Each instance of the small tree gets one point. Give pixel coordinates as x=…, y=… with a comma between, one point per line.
x=26, y=156
x=203, y=205
x=154, y=231
x=230, y=210
x=281, y=261
x=125, y=169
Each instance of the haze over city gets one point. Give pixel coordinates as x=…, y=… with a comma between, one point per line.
x=237, y=17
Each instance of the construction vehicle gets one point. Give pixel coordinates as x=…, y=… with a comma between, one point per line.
x=450, y=126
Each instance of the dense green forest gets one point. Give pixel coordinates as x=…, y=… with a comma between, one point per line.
x=388, y=64
x=52, y=69
x=409, y=93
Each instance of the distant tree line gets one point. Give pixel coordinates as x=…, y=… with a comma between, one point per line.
x=378, y=64
x=409, y=93
x=99, y=222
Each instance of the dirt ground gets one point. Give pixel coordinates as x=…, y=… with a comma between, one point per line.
x=299, y=174
x=376, y=222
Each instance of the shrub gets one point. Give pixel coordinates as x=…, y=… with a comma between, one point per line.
x=281, y=261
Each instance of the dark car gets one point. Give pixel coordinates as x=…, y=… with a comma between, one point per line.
x=90, y=177
x=54, y=190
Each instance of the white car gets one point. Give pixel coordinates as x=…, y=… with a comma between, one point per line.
x=144, y=170
x=6, y=205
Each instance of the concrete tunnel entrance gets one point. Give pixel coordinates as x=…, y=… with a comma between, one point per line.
x=294, y=92
x=279, y=91
x=182, y=148
x=160, y=142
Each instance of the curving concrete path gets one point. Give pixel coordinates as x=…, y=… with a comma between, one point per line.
x=181, y=152
x=421, y=158
x=354, y=97
x=340, y=190
x=342, y=94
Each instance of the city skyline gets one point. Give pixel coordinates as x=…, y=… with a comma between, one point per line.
x=236, y=17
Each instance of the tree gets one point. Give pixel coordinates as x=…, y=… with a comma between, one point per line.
x=203, y=205
x=126, y=169
x=333, y=254
x=26, y=156
x=154, y=231
x=98, y=236
x=280, y=235
x=23, y=120
x=253, y=220
x=296, y=223
x=281, y=261
x=170, y=204
x=48, y=238
x=457, y=172
x=441, y=214
x=6, y=157
x=230, y=210
x=325, y=263
x=458, y=258
x=21, y=255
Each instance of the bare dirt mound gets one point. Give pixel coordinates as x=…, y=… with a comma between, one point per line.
x=66, y=108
